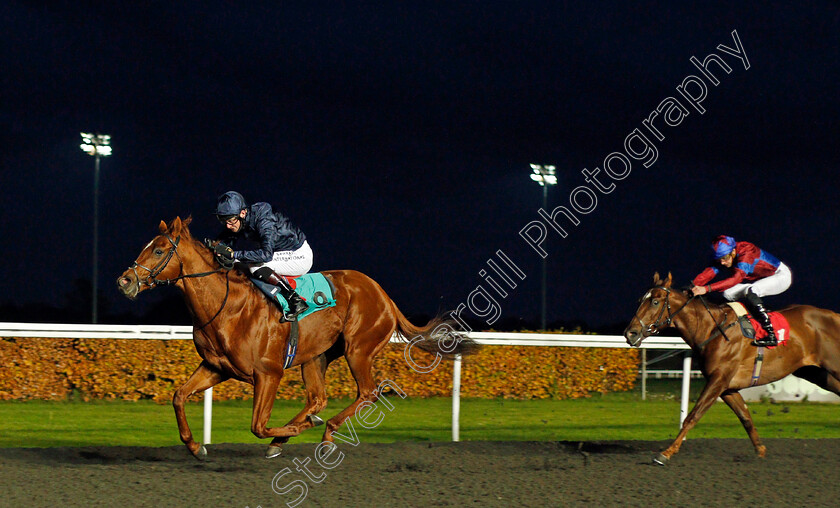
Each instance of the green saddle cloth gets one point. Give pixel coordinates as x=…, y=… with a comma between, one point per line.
x=314, y=288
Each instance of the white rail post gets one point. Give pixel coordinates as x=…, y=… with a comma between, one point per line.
x=208, y=414
x=644, y=374
x=686, y=380
x=456, y=398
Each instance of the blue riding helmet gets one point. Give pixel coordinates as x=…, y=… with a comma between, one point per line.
x=723, y=245
x=230, y=203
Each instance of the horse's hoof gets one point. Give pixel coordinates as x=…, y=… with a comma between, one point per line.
x=316, y=420
x=273, y=451
x=660, y=460
x=201, y=454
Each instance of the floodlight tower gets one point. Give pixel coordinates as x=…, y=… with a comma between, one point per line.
x=96, y=145
x=545, y=176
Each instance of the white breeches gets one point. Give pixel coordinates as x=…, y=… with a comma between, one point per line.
x=772, y=285
x=290, y=263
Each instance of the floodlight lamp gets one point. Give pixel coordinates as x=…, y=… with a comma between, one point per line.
x=98, y=144
x=544, y=175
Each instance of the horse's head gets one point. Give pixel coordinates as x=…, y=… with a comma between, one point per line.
x=655, y=312
x=155, y=263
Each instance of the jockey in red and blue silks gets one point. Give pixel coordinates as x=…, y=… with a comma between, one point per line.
x=753, y=273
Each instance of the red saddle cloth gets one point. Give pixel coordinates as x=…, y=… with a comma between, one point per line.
x=780, y=325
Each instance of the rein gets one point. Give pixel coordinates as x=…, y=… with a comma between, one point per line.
x=224, y=302
x=720, y=330
x=151, y=280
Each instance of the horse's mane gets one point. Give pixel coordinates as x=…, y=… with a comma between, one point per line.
x=686, y=292
x=236, y=275
x=713, y=303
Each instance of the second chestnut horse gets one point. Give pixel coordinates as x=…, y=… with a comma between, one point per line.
x=727, y=359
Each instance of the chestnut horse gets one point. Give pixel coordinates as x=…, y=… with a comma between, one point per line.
x=727, y=359
x=239, y=334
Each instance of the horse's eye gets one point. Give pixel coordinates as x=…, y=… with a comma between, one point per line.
x=158, y=252
x=656, y=302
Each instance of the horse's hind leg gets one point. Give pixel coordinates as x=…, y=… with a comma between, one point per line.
x=739, y=407
x=820, y=377
x=361, y=364
x=832, y=384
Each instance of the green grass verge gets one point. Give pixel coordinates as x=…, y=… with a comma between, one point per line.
x=601, y=417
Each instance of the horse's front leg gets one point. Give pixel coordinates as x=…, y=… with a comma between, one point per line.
x=739, y=407
x=713, y=389
x=312, y=373
x=203, y=378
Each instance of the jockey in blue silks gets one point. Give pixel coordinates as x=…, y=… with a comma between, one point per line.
x=283, y=250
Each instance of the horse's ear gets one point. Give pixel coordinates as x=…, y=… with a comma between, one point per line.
x=162, y=227
x=667, y=282
x=656, y=279
x=184, y=226
x=175, y=227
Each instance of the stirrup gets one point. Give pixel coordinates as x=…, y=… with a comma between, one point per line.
x=768, y=341
x=295, y=310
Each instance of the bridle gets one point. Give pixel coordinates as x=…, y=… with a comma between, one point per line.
x=151, y=280
x=662, y=321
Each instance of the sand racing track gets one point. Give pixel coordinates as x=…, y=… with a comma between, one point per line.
x=706, y=472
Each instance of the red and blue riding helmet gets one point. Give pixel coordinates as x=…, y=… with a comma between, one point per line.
x=722, y=246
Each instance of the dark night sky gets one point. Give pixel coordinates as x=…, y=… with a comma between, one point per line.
x=399, y=139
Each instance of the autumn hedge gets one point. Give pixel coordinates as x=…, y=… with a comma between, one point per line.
x=58, y=369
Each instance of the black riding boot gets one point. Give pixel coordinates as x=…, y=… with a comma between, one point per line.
x=760, y=313
x=296, y=304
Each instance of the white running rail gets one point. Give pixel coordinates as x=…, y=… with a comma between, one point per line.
x=165, y=332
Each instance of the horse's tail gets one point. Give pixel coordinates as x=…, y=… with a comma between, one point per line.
x=440, y=335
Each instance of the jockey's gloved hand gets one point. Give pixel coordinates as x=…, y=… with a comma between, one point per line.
x=210, y=243
x=224, y=254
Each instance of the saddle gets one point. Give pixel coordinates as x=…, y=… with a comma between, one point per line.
x=752, y=329
x=315, y=289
